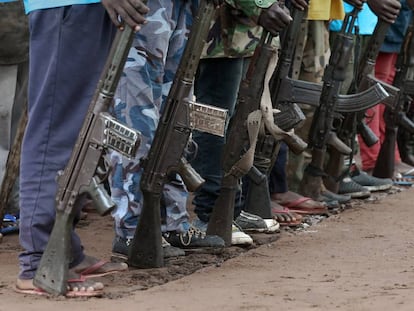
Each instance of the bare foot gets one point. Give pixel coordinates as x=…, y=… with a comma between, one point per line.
x=77, y=287
x=300, y=204
x=288, y=197
x=284, y=216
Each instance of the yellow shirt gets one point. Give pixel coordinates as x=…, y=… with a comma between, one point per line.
x=326, y=10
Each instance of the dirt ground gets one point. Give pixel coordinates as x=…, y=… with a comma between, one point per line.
x=359, y=259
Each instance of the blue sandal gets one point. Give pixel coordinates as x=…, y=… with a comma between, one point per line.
x=10, y=224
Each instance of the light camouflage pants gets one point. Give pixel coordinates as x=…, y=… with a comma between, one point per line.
x=311, y=56
x=148, y=75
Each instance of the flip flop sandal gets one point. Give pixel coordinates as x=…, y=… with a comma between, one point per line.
x=285, y=217
x=92, y=271
x=408, y=173
x=402, y=180
x=70, y=293
x=10, y=224
x=294, y=206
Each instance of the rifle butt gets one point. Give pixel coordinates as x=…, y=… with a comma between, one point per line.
x=145, y=250
x=52, y=272
x=333, y=170
x=311, y=184
x=221, y=219
x=385, y=164
x=258, y=195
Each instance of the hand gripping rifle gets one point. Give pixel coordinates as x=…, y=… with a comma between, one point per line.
x=85, y=169
x=353, y=122
x=171, y=137
x=396, y=117
x=241, y=140
x=321, y=132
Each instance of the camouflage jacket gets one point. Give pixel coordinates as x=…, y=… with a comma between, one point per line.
x=14, y=33
x=234, y=31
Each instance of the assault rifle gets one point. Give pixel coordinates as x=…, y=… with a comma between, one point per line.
x=180, y=116
x=396, y=117
x=258, y=197
x=353, y=122
x=321, y=132
x=286, y=92
x=86, y=169
x=369, y=94
x=242, y=136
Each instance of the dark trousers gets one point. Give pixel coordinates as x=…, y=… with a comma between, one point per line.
x=278, y=178
x=68, y=48
x=217, y=83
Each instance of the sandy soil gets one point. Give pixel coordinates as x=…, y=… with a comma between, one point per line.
x=359, y=259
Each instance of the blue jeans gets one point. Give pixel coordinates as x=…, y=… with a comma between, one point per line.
x=278, y=178
x=220, y=92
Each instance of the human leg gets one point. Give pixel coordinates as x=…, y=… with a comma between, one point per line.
x=281, y=195
x=66, y=61
x=311, y=57
x=220, y=93
x=138, y=103
x=148, y=74
x=384, y=71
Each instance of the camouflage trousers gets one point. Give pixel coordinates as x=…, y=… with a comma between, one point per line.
x=311, y=56
x=148, y=75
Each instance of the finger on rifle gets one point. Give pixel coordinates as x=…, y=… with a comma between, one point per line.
x=139, y=6
x=132, y=18
x=391, y=14
x=300, y=4
x=130, y=12
x=114, y=17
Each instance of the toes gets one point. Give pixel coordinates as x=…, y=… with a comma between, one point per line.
x=85, y=286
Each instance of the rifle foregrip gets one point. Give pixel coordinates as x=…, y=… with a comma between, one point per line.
x=367, y=135
x=190, y=176
x=296, y=144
